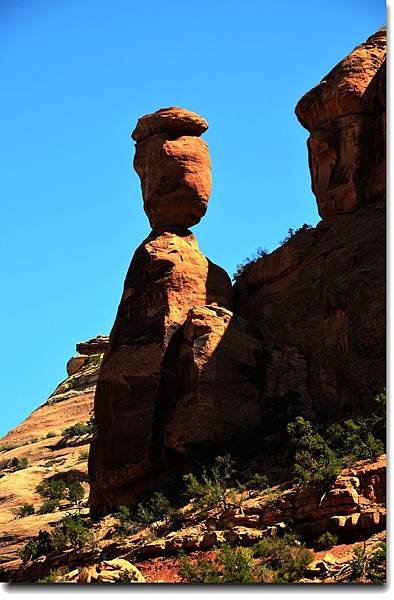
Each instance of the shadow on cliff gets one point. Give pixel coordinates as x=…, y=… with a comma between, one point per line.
x=210, y=400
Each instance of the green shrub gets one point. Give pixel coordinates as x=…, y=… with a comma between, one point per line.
x=15, y=464
x=210, y=488
x=127, y=523
x=248, y=261
x=41, y=545
x=71, y=531
x=284, y=559
x=78, y=429
x=377, y=564
x=50, y=578
x=25, y=510
x=315, y=463
x=231, y=566
x=157, y=508
x=327, y=540
x=359, y=563
x=6, y=447
x=53, y=489
x=123, y=514
x=354, y=440
x=292, y=232
x=369, y=567
x=258, y=482
x=33, y=440
x=50, y=434
x=95, y=360
x=76, y=492
x=206, y=492
x=83, y=455
x=318, y=457
x=49, y=506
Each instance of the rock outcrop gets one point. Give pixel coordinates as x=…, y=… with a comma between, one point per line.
x=174, y=166
x=320, y=298
x=306, y=334
x=345, y=114
x=178, y=366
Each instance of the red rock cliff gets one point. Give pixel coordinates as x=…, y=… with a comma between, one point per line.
x=320, y=298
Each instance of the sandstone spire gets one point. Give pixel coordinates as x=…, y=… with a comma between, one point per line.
x=179, y=369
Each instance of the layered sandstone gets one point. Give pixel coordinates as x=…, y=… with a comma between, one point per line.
x=217, y=379
x=174, y=166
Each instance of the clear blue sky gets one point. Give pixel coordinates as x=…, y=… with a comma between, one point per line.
x=76, y=75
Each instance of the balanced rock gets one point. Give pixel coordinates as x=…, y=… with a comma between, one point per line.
x=174, y=167
x=345, y=115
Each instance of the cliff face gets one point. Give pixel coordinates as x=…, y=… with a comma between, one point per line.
x=345, y=115
x=320, y=298
x=191, y=360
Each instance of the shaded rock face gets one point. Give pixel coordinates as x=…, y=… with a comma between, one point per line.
x=138, y=380
x=174, y=166
x=217, y=379
x=345, y=114
x=320, y=298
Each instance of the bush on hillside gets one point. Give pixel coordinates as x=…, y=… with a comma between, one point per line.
x=25, y=510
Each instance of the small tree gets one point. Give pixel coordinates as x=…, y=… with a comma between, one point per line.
x=53, y=489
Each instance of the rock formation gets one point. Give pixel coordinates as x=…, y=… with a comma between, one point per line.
x=186, y=365
x=345, y=114
x=162, y=380
x=320, y=298
x=174, y=166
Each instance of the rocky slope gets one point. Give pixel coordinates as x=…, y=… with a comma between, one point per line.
x=49, y=452
x=353, y=509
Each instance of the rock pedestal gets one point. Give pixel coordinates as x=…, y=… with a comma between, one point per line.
x=168, y=378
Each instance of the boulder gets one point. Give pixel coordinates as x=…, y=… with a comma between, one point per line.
x=97, y=345
x=172, y=121
x=76, y=364
x=174, y=167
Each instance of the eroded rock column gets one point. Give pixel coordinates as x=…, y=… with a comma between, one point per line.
x=161, y=386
